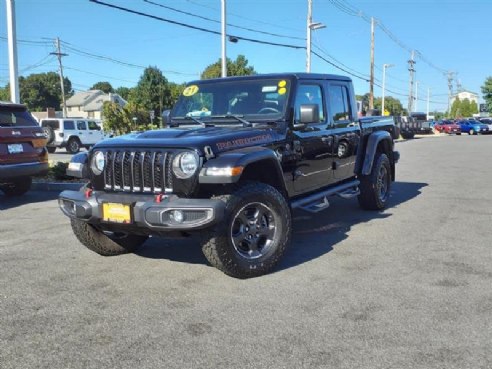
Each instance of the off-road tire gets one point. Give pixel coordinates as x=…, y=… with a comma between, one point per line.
x=227, y=254
x=17, y=187
x=103, y=244
x=51, y=149
x=50, y=134
x=375, y=187
x=73, y=146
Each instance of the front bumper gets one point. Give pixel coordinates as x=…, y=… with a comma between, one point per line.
x=11, y=171
x=158, y=214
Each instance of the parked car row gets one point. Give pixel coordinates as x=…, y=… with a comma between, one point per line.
x=471, y=126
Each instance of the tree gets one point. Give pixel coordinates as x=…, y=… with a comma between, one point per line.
x=392, y=105
x=455, y=108
x=487, y=93
x=124, y=120
x=124, y=92
x=152, y=92
x=465, y=108
x=234, y=68
x=103, y=86
x=41, y=91
x=176, y=91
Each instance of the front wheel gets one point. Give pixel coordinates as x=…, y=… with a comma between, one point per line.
x=375, y=187
x=51, y=149
x=471, y=132
x=254, y=234
x=105, y=243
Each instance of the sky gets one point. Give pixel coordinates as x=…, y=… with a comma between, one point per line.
x=108, y=44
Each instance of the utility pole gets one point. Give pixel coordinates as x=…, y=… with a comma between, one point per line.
x=12, y=40
x=371, y=83
x=59, y=54
x=224, y=58
x=450, y=90
x=411, y=69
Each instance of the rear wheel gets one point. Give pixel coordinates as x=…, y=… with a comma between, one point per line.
x=17, y=187
x=254, y=234
x=105, y=243
x=73, y=146
x=471, y=132
x=375, y=187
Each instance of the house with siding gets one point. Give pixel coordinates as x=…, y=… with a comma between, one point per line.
x=89, y=104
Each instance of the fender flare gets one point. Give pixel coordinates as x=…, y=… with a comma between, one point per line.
x=371, y=147
x=239, y=158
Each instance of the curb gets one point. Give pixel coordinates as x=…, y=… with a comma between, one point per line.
x=55, y=186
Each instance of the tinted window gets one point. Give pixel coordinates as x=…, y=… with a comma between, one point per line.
x=69, y=125
x=309, y=94
x=53, y=123
x=18, y=117
x=339, y=104
x=81, y=125
x=93, y=125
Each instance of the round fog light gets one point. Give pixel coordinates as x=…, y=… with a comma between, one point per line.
x=178, y=216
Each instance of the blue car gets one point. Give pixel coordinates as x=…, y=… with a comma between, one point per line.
x=473, y=127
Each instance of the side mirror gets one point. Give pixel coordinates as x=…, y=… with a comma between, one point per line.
x=166, y=118
x=309, y=113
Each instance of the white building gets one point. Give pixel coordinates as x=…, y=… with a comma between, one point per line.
x=472, y=96
x=89, y=104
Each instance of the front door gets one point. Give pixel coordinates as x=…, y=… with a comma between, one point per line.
x=314, y=144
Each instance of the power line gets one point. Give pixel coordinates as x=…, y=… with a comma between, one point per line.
x=347, y=8
x=100, y=75
x=217, y=21
x=194, y=27
x=283, y=27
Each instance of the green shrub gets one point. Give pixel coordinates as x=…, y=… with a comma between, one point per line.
x=59, y=171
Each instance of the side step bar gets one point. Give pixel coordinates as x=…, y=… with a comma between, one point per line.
x=319, y=201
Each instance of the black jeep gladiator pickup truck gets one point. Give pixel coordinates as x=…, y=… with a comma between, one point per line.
x=239, y=154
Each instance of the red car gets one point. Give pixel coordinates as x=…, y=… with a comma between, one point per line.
x=447, y=126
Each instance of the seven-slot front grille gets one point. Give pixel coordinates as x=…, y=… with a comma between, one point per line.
x=138, y=171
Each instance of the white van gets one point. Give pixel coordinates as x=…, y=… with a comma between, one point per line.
x=71, y=133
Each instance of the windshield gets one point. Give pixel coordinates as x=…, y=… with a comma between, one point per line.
x=16, y=116
x=258, y=99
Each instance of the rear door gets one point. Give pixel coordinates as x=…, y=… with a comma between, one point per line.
x=346, y=129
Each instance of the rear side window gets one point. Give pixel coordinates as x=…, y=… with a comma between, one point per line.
x=16, y=117
x=69, y=125
x=53, y=123
x=339, y=104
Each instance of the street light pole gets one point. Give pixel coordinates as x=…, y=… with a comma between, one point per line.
x=310, y=27
x=224, y=60
x=384, y=81
x=12, y=45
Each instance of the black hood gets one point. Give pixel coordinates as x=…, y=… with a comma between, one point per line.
x=218, y=138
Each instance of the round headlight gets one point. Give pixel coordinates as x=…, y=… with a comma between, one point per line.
x=98, y=163
x=185, y=164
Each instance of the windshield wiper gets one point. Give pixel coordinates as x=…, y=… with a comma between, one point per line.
x=236, y=117
x=189, y=117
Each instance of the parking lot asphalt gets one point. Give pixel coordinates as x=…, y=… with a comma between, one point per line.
x=409, y=287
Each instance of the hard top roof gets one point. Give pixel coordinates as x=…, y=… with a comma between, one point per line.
x=301, y=75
